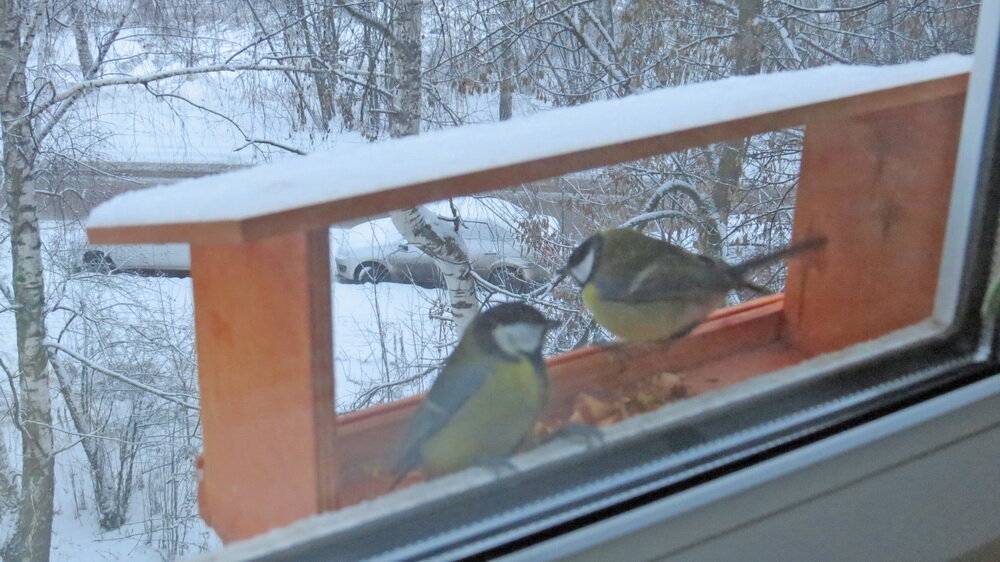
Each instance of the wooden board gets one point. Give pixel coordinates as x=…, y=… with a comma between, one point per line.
x=262, y=316
x=878, y=187
x=488, y=179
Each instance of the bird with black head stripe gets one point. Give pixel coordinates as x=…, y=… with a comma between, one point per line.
x=486, y=398
x=645, y=289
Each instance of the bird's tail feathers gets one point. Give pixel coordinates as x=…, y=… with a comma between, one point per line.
x=803, y=247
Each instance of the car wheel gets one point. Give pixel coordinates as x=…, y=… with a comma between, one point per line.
x=96, y=260
x=509, y=279
x=371, y=273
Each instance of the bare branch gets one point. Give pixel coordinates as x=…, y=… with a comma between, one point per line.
x=175, y=397
x=157, y=76
x=249, y=140
x=15, y=406
x=368, y=21
x=282, y=146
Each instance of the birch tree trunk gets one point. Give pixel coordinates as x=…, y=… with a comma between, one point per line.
x=33, y=531
x=437, y=238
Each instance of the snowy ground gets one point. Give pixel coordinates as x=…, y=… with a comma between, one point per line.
x=366, y=318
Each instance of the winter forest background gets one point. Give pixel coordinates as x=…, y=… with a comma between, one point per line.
x=99, y=406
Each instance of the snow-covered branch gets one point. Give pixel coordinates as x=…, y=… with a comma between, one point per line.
x=435, y=238
x=175, y=397
x=869, y=5
x=157, y=76
x=786, y=38
x=719, y=4
x=644, y=218
x=250, y=141
x=610, y=67
x=368, y=21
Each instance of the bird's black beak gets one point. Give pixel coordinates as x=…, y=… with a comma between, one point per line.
x=560, y=275
x=551, y=324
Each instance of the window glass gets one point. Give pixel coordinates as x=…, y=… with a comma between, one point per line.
x=723, y=151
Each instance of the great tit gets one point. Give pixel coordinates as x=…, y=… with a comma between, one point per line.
x=645, y=289
x=486, y=398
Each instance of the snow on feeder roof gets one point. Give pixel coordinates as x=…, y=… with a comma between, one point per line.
x=322, y=188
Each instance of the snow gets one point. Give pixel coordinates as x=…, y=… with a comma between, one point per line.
x=362, y=169
x=367, y=319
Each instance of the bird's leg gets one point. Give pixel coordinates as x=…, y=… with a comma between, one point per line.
x=622, y=353
x=678, y=334
x=759, y=289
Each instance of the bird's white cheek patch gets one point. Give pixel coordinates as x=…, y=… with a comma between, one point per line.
x=581, y=271
x=519, y=338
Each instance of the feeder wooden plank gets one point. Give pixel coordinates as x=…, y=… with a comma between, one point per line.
x=878, y=186
x=262, y=316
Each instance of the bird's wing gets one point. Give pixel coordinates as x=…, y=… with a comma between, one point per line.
x=674, y=277
x=458, y=381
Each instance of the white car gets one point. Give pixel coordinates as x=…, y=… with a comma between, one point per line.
x=167, y=258
x=493, y=231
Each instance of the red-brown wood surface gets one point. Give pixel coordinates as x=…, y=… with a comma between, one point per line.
x=262, y=315
x=737, y=343
x=878, y=186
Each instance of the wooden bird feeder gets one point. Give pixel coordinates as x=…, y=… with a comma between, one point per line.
x=876, y=179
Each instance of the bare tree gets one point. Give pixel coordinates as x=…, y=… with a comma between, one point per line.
x=27, y=119
x=33, y=532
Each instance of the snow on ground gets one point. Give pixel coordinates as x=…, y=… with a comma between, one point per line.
x=366, y=318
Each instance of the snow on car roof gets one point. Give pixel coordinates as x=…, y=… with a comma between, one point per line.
x=474, y=209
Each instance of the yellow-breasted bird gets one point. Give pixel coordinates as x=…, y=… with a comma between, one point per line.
x=645, y=289
x=486, y=398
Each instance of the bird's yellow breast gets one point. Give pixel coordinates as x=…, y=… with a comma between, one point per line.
x=646, y=321
x=491, y=423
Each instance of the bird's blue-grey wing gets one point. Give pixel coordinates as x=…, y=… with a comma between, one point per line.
x=457, y=382
x=673, y=278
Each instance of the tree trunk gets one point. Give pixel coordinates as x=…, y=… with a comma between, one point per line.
x=321, y=55
x=326, y=84
x=8, y=492
x=33, y=531
x=508, y=65
x=407, y=65
x=418, y=225
x=746, y=60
